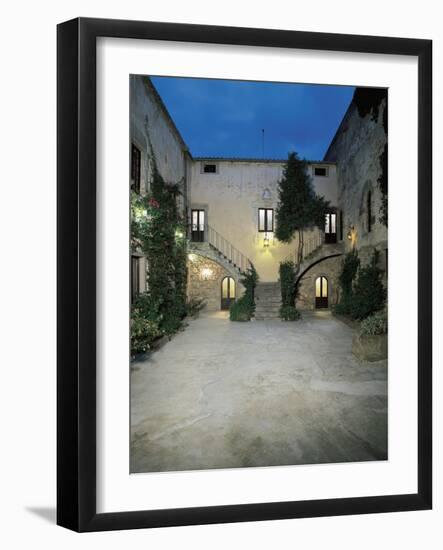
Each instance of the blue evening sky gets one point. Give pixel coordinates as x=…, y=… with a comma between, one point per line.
x=225, y=117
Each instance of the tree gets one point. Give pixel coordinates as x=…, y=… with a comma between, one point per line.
x=299, y=207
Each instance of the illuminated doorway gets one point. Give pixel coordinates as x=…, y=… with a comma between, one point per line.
x=227, y=292
x=321, y=293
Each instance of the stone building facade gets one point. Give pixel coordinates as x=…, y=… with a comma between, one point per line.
x=230, y=203
x=356, y=149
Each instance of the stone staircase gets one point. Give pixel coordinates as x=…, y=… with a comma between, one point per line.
x=216, y=247
x=267, y=301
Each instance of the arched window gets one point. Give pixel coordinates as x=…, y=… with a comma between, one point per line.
x=369, y=211
x=227, y=292
x=321, y=292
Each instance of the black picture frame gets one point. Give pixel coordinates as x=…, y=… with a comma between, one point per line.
x=76, y=274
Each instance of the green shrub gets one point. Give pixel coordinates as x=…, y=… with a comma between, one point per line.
x=146, y=321
x=287, y=283
x=249, y=281
x=240, y=310
x=289, y=313
x=377, y=323
x=344, y=306
x=369, y=293
x=346, y=278
x=144, y=332
x=243, y=308
x=194, y=306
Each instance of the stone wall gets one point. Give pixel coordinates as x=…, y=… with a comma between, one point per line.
x=205, y=279
x=356, y=148
x=330, y=269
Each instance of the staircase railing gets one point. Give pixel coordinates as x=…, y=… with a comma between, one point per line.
x=225, y=248
x=312, y=241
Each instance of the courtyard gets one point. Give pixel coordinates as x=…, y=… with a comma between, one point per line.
x=260, y=393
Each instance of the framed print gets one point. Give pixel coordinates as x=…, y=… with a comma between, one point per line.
x=244, y=274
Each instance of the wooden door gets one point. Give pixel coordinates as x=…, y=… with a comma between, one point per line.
x=331, y=228
x=198, y=226
x=227, y=292
x=321, y=293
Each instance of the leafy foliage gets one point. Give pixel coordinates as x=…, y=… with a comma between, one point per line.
x=159, y=231
x=287, y=283
x=369, y=293
x=145, y=323
x=240, y=310
x=377, y=323
x=289, y=313
x=346, y=278
x=194, y=306
x=243, y=308
x=299, y=207
x=368, y=101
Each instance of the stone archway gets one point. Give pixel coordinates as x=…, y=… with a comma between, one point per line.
x=205, y=276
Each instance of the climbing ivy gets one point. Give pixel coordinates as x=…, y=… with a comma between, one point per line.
x=159, y=231
x=346, y=279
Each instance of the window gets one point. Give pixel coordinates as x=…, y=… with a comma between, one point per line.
x=198, y=226
x=135, y=168
x=369, y=211
x=266, y=219
x=330, y=228
x=341, y=225
x=209, y=168
x=321, y=171
x=135, y=277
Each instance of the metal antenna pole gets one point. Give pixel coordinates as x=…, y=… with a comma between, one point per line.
x=263, y=142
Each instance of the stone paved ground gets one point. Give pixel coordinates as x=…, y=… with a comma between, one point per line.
x=264, y=393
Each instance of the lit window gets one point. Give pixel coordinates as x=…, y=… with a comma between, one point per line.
x=266, y=219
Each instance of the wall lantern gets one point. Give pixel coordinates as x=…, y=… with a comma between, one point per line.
x=206, y=273
x=266, y=241
x=179, y=234
x=350, y=233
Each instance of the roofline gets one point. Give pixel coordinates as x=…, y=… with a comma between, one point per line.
x=350, y=108
x=150, y=86
x=257, y=160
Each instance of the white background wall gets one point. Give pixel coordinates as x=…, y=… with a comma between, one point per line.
x=27, y=299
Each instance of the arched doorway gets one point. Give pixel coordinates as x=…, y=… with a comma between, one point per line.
x=227, y=292
x=321, y=292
